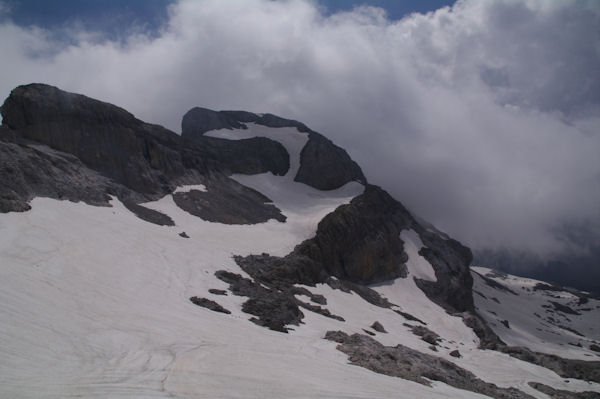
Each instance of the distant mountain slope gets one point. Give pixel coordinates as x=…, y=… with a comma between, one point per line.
x=250, y=258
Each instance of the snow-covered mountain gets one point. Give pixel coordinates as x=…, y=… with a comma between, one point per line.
x=248, y=258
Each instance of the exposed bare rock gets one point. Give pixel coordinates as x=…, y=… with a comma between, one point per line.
x=455, y=353
x=227, y=201
x=377, y=326
x=363, y=291
x=104, y=137
x=198, y=121
x=409, y=317
x=563, y=308
x=246, y=156
x=487, y=337
x=562, y=394
x=149, y=215
x=426, y=334
x=360, y=241
x=29, y=170
x=325, y=166
x=318, y=309
x=494, y=284
x=450, y=261
x=282, y=272
x=274, y=308
x=401, y=361
x=208, y=304
x=96, y=148
x=567, y=368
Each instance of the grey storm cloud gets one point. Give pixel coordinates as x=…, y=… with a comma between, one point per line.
x=483, y=118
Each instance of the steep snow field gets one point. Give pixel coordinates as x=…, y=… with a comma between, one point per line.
x=94, y=302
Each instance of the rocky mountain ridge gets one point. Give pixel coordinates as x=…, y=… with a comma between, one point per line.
x=137, y=161
x=67, y=146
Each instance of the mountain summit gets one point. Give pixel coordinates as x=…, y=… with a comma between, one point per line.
x=248, y=257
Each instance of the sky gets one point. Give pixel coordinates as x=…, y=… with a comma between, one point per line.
x=481, y=116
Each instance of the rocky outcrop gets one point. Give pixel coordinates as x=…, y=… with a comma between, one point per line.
x=401, y=361
x=325, y=166
x=209, y=304
x=282, y=273
x=198, y=121
x=273, y=307
x=151, y=215
x=104, y=137
x=567, y=368
x=29, y=170
x=561, y=393
x=227, y=201
x=426, y=334
x=450, y=261
x=84, y=149
x=360, y=241
x=247, y=156
x=377, y=326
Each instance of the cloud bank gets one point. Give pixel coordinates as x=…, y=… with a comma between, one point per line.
x=483, y=118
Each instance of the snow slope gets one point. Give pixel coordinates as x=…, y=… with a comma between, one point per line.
x=533, y=320
x=94, y=302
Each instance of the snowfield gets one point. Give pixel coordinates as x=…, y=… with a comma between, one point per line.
x=94, y=302
x=533, y=319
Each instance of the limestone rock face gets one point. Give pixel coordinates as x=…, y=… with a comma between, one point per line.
x=325, y=166
x=198, y=121
x=450, y=260
x=227, y=201
x=68, y=146
x=247, y=156
x=104, y=137
x=361, y=241
x=27, y=171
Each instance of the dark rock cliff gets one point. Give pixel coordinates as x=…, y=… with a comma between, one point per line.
x=450, y=260
x=104, y=137
x=323, y=165
x=371, y=250
x=66, y=145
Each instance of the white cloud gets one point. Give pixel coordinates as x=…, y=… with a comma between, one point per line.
x=483, y=118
